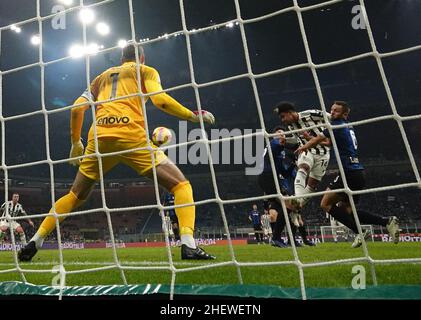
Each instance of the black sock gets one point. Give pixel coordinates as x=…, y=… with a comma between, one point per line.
x=340, y=214
x=279, y=225
x=369, y=218
x=303, y=233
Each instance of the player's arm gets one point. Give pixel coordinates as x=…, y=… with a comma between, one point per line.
x=76, y=121
x=320, y=138
x=168, y=104
x=23, y=213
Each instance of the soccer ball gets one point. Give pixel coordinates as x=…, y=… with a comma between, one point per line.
x=161, y=136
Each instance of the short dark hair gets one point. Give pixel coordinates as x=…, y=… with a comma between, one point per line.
x=284, y=106
x=129, y=52
x=344, y=105
x=278, y=127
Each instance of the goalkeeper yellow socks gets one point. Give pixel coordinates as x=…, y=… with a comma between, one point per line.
x=65, y=204
x=183, y=194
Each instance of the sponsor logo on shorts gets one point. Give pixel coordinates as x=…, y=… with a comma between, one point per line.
x=112, y=120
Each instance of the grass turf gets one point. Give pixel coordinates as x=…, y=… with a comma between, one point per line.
x=285, y=276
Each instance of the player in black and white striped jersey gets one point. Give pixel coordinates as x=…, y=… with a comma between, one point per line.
x=14, y=209
x=311, y=164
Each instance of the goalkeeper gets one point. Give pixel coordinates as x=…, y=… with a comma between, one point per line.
x=120, y=126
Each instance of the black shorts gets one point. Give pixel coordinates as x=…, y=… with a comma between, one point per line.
x=267, y=184
x=355, y=180
x=257, y=227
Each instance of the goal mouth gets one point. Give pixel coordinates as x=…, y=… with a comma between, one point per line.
x=202, y=292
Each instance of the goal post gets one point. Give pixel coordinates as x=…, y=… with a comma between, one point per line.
x=341, y=233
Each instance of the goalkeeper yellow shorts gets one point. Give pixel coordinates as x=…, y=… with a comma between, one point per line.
x=140, y=160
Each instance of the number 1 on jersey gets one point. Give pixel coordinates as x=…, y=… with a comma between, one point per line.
x=114, y=77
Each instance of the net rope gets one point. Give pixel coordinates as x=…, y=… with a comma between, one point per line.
x=117, y=264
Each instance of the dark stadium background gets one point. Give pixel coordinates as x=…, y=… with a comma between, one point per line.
x=273, y=44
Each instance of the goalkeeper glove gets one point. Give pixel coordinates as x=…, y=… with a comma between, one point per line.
x=76, y=151
x=207, y=117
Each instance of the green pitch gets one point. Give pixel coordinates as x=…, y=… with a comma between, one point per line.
x=285, y=276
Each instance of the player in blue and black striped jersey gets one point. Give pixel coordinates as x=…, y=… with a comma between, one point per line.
x=255, y=219
x=285, y=166
x=338, y=204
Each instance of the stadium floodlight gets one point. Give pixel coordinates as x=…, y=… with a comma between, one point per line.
x=122, y=43
x=92, y=48
x=35, y=40
x=15, y=28
x=230, y=25
x=66, y=2
x=87, y=16
x=102, y=28
x=76, y=51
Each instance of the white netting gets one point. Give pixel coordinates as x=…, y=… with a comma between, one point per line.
x=196, y=86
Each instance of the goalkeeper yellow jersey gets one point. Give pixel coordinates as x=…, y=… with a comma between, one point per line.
x=122, y=118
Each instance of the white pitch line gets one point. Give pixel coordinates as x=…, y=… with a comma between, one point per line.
x=104, y=263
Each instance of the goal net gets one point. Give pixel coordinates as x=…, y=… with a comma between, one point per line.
x=225, y=65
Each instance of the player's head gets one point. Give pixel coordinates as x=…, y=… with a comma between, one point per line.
x=280, y=131
x=129, y=54
x=254, y=206
x=286, y=112
x=340, y=110
x=15, y=197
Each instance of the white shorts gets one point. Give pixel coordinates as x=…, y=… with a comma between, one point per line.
x=317, y=163
x=6, y=224
x=267, y=231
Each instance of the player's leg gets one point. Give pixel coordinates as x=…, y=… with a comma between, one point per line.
x=19, y=230
x=71, y=201
x=277, y=218
x=305, y=164
x=77, y=195
x=4, y=226
x=329, y=204
x=294, y=230
x=317, y=172
x=303, y=232
x=171, y=178
x=356, y=181
x=278, y=225
x=82, y=186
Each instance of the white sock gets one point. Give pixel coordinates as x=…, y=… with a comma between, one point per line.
x=188, y=240
x=307, y=190
x=38, y=240
x=22, y=238
x=300, y=182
